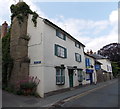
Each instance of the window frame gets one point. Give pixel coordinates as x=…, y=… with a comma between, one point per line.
x=59, y=33
x=80, y=75
x=61, y=76
x=87, y=62
x=61, y=48
x=80, y=59
x=76, y=43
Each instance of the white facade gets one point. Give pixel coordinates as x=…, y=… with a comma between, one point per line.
x=91, y=67
x=106, y=65
x=41, y=51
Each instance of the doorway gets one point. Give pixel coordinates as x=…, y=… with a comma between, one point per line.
x=91, y=78
x=70, y=71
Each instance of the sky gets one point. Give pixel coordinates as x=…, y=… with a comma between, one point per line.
x=95, y=24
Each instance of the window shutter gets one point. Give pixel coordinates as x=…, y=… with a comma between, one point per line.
x=64, y=37
x=56, y=52
x=65, y=52
x=57, y=33
x=80, y=59
x=88, y=62
x=75, y=56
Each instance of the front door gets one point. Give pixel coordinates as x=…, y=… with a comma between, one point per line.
x=70, y=77
x=91, y=78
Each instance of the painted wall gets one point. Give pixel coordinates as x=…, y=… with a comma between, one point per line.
x=92, y=62
x=35, y=52
x=106, y=64
x=41, y=48
x=51, y=60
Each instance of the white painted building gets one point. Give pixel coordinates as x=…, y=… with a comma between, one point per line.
x=90, y=69
x=57, y=58
x=105, y=65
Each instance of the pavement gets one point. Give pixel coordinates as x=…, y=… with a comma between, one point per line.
x=11, y=100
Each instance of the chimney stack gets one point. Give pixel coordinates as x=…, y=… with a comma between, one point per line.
x=88, y=52
x=4, y=29
x=91, y=52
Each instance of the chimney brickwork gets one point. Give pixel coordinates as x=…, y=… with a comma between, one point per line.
x=4, y=29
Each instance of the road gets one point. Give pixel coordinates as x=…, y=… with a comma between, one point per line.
x=105, y=96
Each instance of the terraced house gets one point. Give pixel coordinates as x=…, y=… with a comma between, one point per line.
x=90, y=69
x=57, y=58
x=106, y=66
x=41, y=49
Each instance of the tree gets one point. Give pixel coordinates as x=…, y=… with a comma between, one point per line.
x=112, y=52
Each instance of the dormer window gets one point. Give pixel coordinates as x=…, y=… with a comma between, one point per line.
x=60, y=35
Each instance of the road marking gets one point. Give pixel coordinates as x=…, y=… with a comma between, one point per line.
x=85, y=93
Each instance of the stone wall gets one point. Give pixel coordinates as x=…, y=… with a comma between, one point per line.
x=100, y=76
x=19, y=50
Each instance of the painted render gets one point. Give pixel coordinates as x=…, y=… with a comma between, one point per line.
x=41, y=48
x=92, y=62
x=43, y=61
x=106, y=65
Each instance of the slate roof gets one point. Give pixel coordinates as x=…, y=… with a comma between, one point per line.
x=97, y=56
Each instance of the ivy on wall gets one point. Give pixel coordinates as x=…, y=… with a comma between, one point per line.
x=20, y=10
x=7, y=61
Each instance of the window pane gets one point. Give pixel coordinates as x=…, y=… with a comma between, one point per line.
x=58, y=71
x=59, y=51
x=78, y=57
x=77, y=45
x=60, y=78
x=61, y=35
x=62, y=52
x=62, y=72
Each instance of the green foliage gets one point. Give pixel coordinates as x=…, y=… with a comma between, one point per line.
x=20, y=10
x=27, y=88
x=34, y=18
x=116, y=69
x=26, y=37
x=28, y=85
x=26, y=60
x=10, y=89
x=20, y=18
x=19, y=92
x=7, y=61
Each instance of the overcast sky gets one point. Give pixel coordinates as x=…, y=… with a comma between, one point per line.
x=95, y=24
